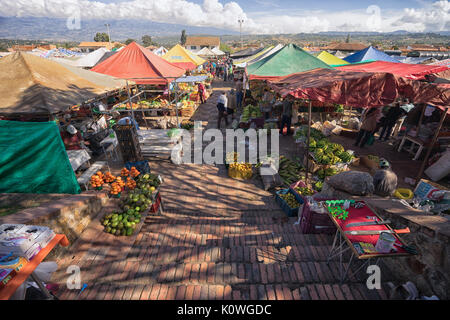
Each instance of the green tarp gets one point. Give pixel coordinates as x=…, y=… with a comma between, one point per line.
x=33, y=159
x=291, y=59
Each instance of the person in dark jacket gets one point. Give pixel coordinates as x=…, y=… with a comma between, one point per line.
x=390, y=119
x=385, y=180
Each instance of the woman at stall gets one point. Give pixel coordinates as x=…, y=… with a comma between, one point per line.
x=369, y=124
x=201, y=92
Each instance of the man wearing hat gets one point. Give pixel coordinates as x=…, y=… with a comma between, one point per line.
x=72, y=138
x=385, y=180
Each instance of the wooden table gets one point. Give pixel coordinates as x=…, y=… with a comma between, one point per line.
x=22, y=275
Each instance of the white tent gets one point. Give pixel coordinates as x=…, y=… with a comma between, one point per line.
x=218, y=52
x=160, y=51
x=91, y=59
x=206, y=52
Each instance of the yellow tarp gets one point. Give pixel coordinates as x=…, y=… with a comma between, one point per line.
x=329, y=59
x=178, y=54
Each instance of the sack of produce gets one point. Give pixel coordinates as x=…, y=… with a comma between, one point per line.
x=353, y=182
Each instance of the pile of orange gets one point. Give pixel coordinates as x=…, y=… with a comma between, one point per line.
x=109, y=177
x=97, y=180
x=120, y=182
x=131, y=184
x=124, y=172
x=134, y=172
x=116, y=188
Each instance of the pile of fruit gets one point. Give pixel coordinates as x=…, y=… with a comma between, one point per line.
x=304, y=191
x=137, y=201
x=238, y=170
x=134, y=172
x=289, y=170
x=187, y=125
x=130, y=184
x=250, y=112
x=290, y=200
x=97, y=180
x=116, y=189
x=120, y=182
x=326, y=152
x=109, y=178
x=124, y=172
x=157, y=103
x=318, y=186
x=314, y=133
x=323, y=173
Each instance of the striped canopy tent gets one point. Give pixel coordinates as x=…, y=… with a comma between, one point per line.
x=244, y=61
x=183, y=58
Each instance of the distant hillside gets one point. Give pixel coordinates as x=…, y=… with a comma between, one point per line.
x=53, y=29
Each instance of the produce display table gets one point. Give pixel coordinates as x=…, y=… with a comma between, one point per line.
x=77, y=158
x=22, y=275
x=346, y=241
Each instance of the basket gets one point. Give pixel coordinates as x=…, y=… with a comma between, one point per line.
x=290, y=212
x=128, y=142
x=141, y=166
x=316, y=222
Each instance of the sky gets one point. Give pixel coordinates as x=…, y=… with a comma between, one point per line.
x=260, y=16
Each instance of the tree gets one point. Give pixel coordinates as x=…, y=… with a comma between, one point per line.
x=129, y=41
x=147, y=41
x=225, y=48
x=101, y=37
x=3, y=47
x=183, y=37
x=348, y=38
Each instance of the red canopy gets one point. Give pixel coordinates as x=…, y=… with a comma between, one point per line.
x=359, y=89
x=134, y=62
x=410, y=71
x=189, y=66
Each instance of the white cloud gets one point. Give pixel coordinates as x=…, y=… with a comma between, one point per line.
x=224, y=15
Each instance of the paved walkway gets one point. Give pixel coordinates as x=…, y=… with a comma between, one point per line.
x=218, y=239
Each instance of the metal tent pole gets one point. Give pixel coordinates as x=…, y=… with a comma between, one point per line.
x=307, y=142
x=430, y=147
x=129, y=101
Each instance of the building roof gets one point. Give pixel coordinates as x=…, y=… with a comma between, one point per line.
x=87, y=44
x=203, y=41
x=343, y=46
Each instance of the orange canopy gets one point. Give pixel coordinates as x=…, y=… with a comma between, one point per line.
x=140, y=65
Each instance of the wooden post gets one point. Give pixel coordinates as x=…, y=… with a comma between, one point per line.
x=129, y=101
x=307, y=141
x=430, y=147
x=421, y=119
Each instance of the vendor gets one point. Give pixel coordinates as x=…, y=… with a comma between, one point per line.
x=369, y=124
x=286, y=115
x=390, y=119
x=267, y=101
x=385, y=180
x=231, y=99
x=72, y=138
x=239, y=92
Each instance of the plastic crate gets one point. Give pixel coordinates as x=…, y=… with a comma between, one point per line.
x=300, y=184
x=291, y=212
x=141, y=166
x=316, y=222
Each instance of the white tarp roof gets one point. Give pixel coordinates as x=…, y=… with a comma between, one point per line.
x=160, y=51
x=206, y=52
x=218, y=52
x=91, y=59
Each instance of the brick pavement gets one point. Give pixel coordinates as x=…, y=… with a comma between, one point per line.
x=218, y=239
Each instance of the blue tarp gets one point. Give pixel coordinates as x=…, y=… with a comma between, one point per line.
x=191, y=79
x=369, y=53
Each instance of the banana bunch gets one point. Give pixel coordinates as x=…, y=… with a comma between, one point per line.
x=290, y=200
x=289, y=170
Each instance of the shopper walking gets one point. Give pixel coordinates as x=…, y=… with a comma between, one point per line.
x=222, y=103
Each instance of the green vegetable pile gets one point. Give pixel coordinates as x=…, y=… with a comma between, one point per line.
x=304, y=191
x=251, y=112
x=314, y=133
x=289, y=170
x=327, y=153
x=138, y=201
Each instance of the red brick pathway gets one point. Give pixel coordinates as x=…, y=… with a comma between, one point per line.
x=218, y=239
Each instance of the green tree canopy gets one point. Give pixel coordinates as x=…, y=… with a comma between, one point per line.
x=101, y=37
x=129, y=41
x=183, y=37
x=147, y=41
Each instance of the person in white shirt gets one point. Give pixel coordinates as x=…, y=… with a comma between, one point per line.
x=222, y=103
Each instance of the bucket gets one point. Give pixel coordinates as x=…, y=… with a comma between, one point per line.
x=385, y=242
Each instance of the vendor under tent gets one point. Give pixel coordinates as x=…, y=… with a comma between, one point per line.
x=291, y=59
x=329, y=59
x=206, y=53
x=409, y=71
x=183, y=58
x=369, y=53
x=136, y=62
x=34, y=85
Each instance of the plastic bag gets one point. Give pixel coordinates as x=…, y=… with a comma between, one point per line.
x=353, y=182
